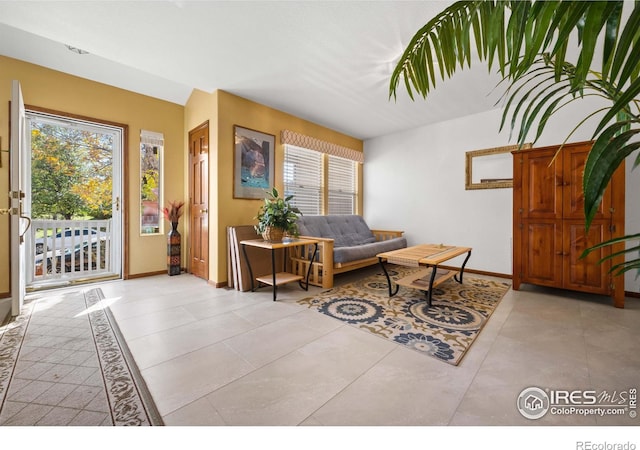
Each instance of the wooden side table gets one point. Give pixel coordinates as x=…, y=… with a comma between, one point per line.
x=278, y=278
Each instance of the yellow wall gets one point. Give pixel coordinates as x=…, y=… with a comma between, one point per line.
x=226, y=110
x=54, y=90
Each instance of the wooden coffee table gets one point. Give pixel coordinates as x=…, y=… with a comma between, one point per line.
x=429, y=256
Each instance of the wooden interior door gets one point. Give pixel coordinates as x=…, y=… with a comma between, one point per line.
x=199, y=201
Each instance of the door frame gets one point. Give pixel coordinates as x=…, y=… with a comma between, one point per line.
x=124, y=175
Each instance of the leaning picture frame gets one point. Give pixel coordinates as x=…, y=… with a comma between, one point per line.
x=253, y=163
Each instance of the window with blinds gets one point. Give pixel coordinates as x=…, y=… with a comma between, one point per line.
x=342, y=185
x=303, y=175
x=303, y=178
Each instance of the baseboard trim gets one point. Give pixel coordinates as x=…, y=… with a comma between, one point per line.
x=632, y=294
x=217, y=284
x=146, y=274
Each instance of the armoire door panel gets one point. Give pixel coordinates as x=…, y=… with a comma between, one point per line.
x=542, y=252
x=586, y=274
x=574, y=159
x=542, y=195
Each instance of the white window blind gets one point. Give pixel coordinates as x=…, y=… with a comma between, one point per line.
x=342, y=185
x=303, y=178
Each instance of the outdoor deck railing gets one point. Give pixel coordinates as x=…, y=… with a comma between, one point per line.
x=69, y=249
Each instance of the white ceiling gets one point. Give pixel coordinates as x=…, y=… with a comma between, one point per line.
x=325, y=61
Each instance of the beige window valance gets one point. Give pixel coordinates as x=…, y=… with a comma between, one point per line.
x=300, y=140
x=151, y=137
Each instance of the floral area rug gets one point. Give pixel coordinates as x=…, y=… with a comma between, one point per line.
x=444, y=331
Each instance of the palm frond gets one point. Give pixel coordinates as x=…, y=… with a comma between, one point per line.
x=527, y=42
x=512, y=35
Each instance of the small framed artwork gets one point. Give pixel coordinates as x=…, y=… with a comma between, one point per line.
x=253, y=163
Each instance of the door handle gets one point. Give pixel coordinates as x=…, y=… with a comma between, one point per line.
x=204, y=211
x=18, y=212
x=22, y=216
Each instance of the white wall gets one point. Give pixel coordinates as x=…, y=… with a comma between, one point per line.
x=414, y=181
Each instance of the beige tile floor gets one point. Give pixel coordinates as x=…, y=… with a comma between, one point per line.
x=219, y=357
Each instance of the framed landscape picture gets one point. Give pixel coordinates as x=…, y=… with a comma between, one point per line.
x=253, y=163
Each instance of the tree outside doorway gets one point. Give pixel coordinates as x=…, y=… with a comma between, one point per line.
x=71, y=173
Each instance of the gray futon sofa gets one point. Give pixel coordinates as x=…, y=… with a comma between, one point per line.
x=345, y=243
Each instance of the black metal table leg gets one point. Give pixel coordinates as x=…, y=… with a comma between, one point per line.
x=315, y=252
x=386, y=274
x=455, y=277
x=244, y=252
x=429, y=293
x=273, y=271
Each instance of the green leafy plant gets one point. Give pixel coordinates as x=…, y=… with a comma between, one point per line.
x=528, y=42
x=277, y=212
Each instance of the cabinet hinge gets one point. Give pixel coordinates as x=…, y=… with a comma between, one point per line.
x=612, y=228
x=612, y=210
x=520, y=226
x=612, y=286
x=521, y=210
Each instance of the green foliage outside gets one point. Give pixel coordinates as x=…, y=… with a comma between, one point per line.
x=71, y=173
x=150, y=171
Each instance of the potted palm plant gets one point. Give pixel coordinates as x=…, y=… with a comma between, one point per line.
x=277, y=217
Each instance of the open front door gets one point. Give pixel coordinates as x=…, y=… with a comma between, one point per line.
x=20, y=221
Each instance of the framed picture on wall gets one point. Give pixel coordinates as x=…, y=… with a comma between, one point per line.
x=253, y=163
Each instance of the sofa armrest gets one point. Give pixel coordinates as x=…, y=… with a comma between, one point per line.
x=384, y=235
x=322, y=266
x=325, y=249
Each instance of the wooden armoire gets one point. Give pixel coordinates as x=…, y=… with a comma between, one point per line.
x=549, y=233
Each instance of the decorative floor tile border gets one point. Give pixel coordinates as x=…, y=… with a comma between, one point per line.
x=129, y=399
x=127, y=393
x=11, y=337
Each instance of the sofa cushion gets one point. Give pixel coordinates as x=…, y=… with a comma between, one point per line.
x=346, y=230
x=351, y=239
x=364, y=251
